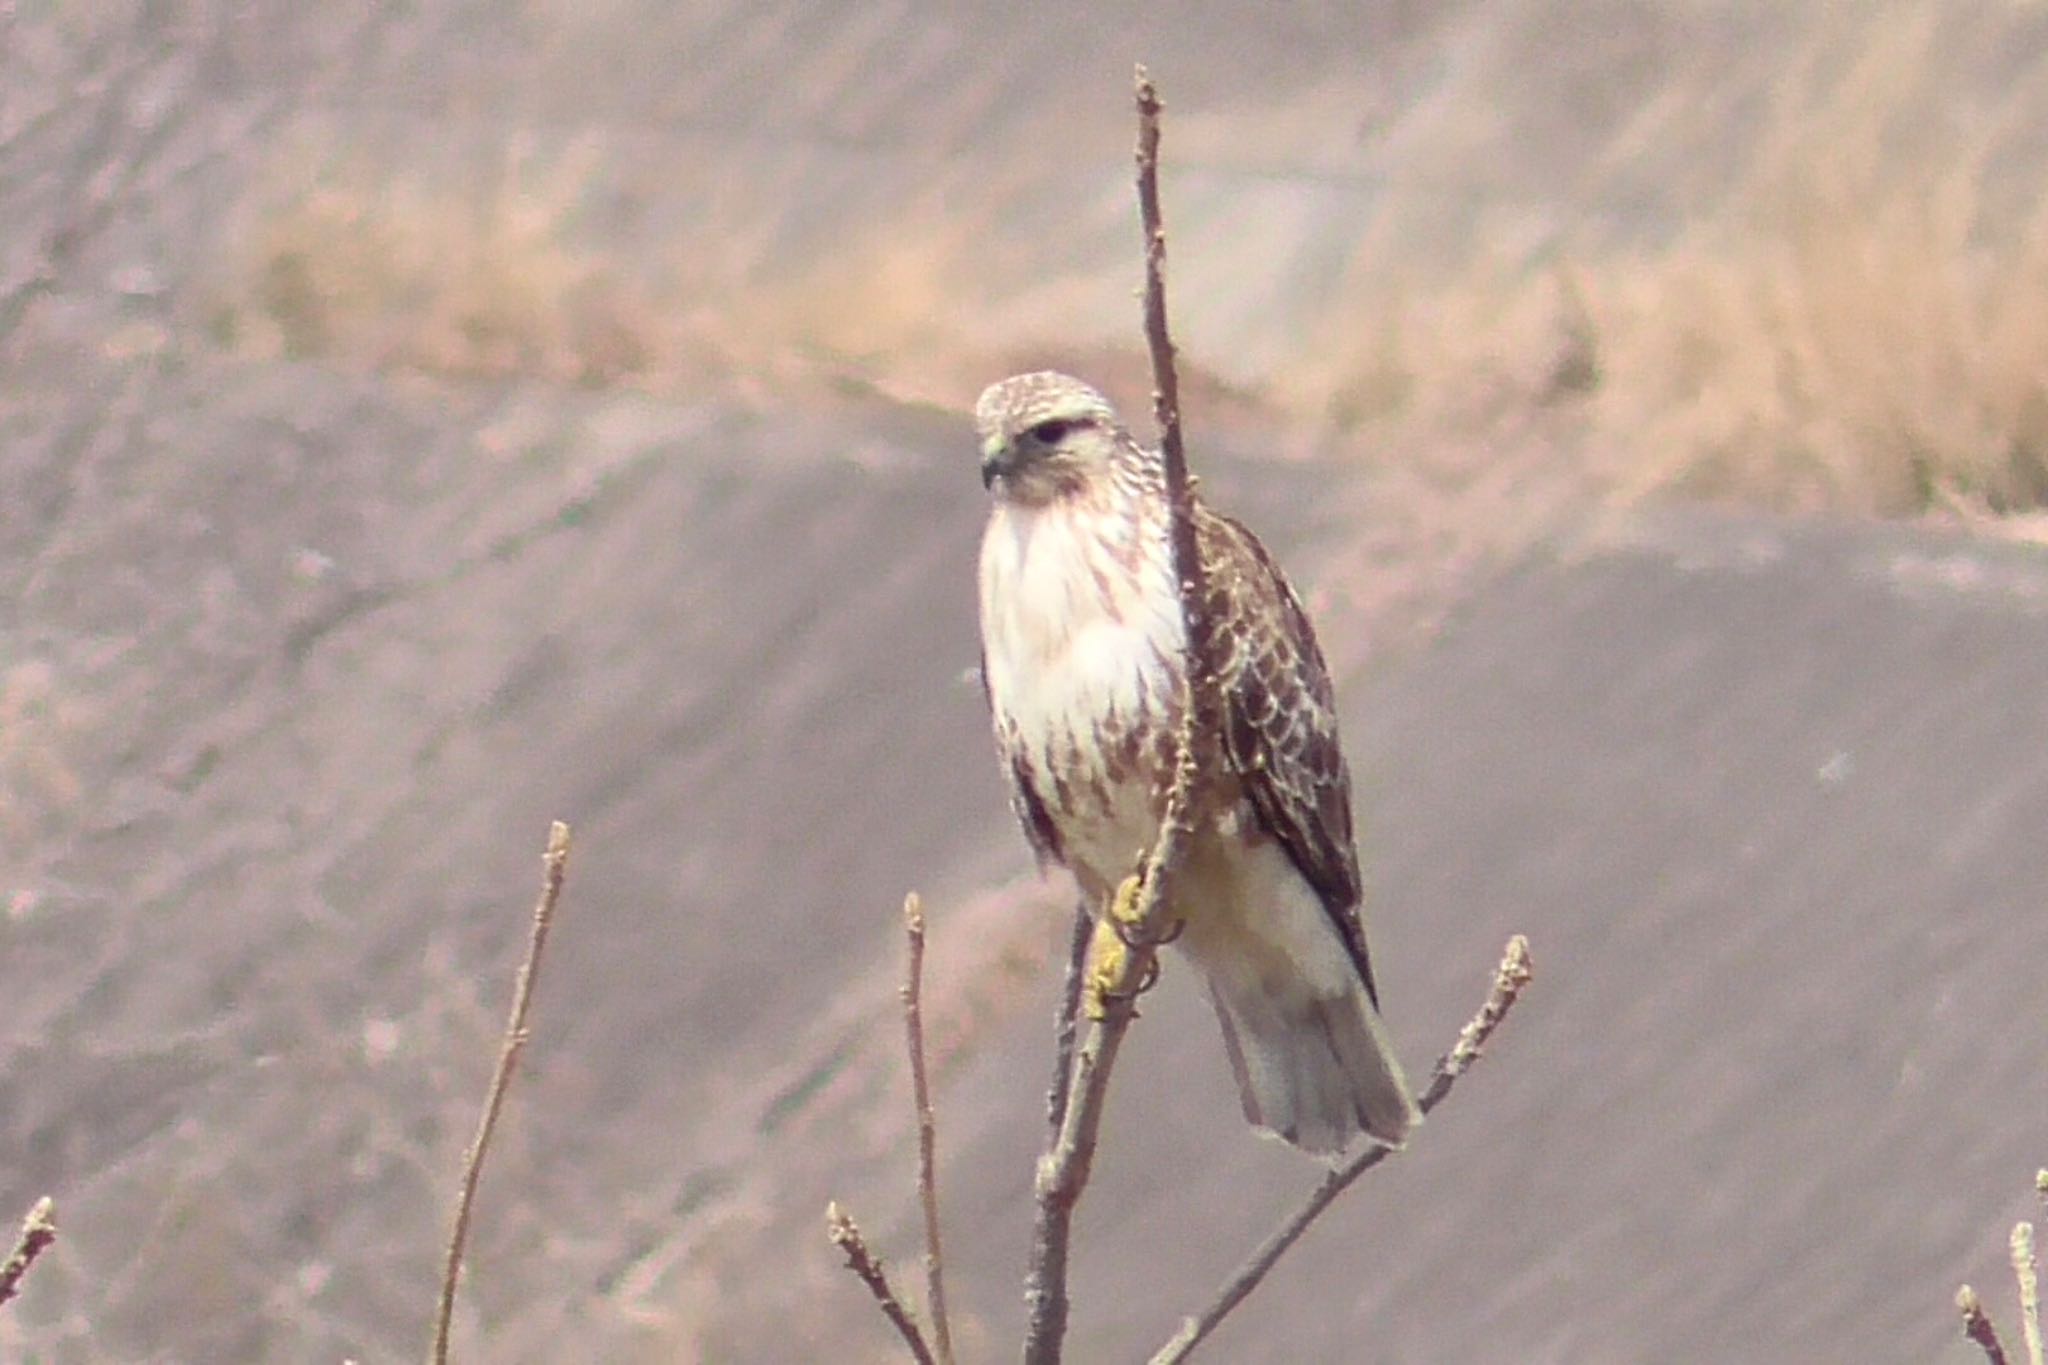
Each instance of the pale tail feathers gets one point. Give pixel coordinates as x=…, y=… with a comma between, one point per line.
x=1316, y=1070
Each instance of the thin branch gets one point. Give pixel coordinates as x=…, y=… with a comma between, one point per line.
x=1140, y=914
x=927, y=1127
x=553, y=865
x=1165, y=380
x=846, y=1236
x=2027, y=1273
x=1508, y=980
x=1977, y=1327
x=1067, y=1025
x=38, y=1230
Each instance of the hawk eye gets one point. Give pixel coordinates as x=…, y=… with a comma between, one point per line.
x=1050, y=431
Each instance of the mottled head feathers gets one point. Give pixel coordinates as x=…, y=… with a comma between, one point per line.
x=1045, y=435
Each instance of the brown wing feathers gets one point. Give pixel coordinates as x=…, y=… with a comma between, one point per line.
x=1280, y=721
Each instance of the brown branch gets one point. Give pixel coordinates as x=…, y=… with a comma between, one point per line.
x=1165, y=380
x=1977, y=1327
x=1508, y=980
x=1141, y=922
x=846, y=1236
x=38, y=1230
x=553, y=864
x=2028, y=1275
x=927, y=1128
x=1067, y=1025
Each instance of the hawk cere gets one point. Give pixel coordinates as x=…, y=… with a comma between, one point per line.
x=1084, y=659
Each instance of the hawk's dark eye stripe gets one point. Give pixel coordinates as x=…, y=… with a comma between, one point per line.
x=1051, y=430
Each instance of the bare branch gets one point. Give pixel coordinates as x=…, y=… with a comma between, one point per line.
x=1138, y=919
x=38, y=1230
x=1977, y=1327
x=1067, y=1025
x=553, y=865
x=2027, y=1273
x=1165, y=380
x=846, y=1236
x=927, y=1127
x=1508, y=980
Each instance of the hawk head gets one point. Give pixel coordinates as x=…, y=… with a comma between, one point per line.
x=1046, y=435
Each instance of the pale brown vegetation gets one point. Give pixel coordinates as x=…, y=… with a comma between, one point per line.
x=1854, y=327
x=1850, y=327
x=1855, y=332
x=463, y=282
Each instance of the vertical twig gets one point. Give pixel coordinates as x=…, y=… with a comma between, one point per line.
x=1045, y=1284
x=2027, y=1274
x=1977, y=1327
x=846, y=1236
x=553, y=864
x=38, y=1230
x=1508, y=980
x=1064, y=1169
x=927, y=1127
x=1067, y=1025
x=1199, y=727
x=1158, y=340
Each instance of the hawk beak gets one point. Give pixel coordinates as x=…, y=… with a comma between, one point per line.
x=996, y=460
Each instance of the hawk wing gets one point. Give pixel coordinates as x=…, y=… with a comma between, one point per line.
x=1280, y=721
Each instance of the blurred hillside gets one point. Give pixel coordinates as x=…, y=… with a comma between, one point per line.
x=1703, y=234
x=421, y=421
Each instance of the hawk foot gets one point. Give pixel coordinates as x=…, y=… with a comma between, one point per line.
x=1109, y=960
x=1126, y=917
x=1145, y=983
x=1116, y=933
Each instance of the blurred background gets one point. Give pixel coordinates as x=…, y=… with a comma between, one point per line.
x=422, y=420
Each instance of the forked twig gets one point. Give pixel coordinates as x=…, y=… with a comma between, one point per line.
x=1508, y=980
x=1064, y=1169
x=927, y=1127
x=553, y=865
x=846, y=1236
x=38, y=1230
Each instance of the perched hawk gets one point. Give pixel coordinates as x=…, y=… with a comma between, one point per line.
x=1083, y=654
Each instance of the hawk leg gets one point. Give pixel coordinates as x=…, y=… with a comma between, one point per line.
x=1109, y=951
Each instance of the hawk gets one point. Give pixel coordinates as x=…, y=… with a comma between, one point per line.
x=1084, y=658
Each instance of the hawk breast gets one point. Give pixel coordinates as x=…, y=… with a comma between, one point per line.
x=1081, y=648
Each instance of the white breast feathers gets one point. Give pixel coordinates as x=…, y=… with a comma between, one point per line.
x=1082, y=642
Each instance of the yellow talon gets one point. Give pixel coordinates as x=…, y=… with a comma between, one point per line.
x=1109, y=957
x=1123, y=906
x=1108, y=961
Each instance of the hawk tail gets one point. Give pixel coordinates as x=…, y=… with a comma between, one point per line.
x=1317, y=1070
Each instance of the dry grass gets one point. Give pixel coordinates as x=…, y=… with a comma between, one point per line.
x=1856, y=334
x=1853, y=328
x=455, y=281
